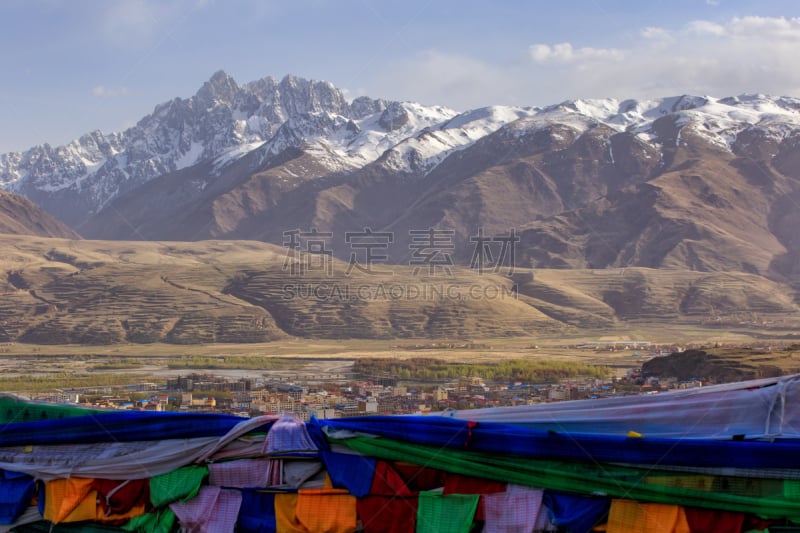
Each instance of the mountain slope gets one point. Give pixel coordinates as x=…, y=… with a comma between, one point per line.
x=20, y=216
x=710, y=208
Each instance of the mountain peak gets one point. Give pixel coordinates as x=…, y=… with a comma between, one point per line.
x=221, y=86
x=219, y=76
x=291, y=79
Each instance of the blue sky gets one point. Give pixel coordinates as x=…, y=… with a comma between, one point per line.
x=70, y=67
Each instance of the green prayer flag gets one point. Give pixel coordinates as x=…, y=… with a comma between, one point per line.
x=452, y=513
x=179, y=485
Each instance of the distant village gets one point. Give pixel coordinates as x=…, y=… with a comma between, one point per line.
x=339, y=395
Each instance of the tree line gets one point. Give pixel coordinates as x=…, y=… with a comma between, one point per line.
x=524, y=370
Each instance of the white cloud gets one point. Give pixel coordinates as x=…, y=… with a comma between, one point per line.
x=765, y=27
x=720, y=58
x=748, y=54
x=704, y=27
x=107, y=92
x=566, y=53
x=655, y=33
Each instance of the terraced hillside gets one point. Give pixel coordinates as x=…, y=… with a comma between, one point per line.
x=393, y=304
x=55, y=291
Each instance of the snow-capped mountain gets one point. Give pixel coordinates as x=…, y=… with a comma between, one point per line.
x=720, y=175
x=224, y=121
x=352, y=143
x=219, y=124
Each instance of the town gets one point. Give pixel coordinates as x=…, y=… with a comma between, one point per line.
x=339, y=395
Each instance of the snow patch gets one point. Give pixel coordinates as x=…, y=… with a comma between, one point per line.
x=430, y=147
x=720, y=120
x=93, y=166
x=234, y=154
x=190, y=157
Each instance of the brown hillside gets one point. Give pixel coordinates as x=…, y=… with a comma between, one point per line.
x=56, y=291
x=723, y=365
x=710, y=210
x=20, y=216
